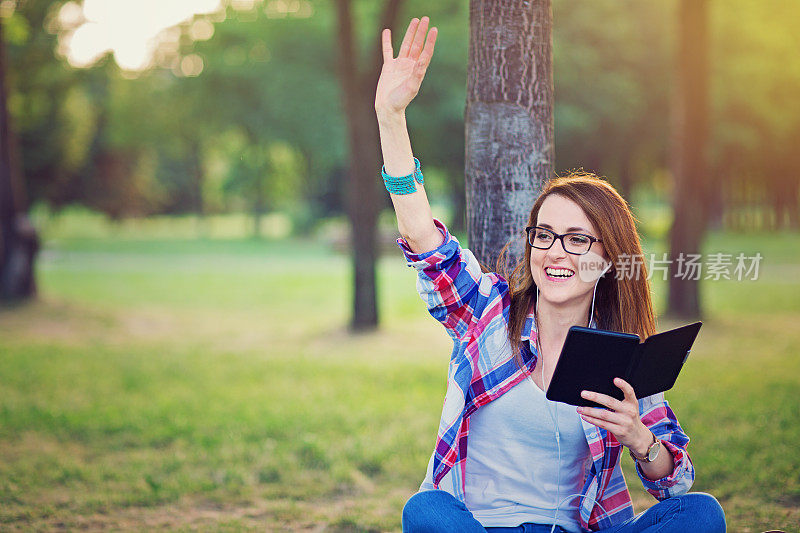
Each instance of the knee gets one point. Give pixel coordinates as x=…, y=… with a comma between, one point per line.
x=413, y=509
x=707, y=509
x=419, y=512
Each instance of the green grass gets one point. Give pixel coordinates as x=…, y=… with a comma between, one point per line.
x=212, y=384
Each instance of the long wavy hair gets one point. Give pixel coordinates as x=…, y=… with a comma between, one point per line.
x=621, y=304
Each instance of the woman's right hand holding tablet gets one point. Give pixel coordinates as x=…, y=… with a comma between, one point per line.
x=402, y=76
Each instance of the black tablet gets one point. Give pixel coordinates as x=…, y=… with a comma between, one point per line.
x=592, y=358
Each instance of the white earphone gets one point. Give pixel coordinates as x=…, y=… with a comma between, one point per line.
x=560, y=501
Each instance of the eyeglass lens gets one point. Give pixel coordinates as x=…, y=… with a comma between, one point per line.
x=574, y=243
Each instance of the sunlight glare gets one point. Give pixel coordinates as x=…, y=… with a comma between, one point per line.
x=192, y=65
x=70, y=15
x=201, y=30
x=87, y=44
x=131, y=29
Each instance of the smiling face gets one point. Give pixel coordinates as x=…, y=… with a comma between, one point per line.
x=556, y=272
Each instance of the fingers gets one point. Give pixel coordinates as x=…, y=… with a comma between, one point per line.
x=602, y=399
x=616, y=429
x=627, y=389
x=405, y=46
x=430, y=43
x=602, y=414
x=623, y=416
x=419, y=39
x=386, y=40
x=421, y=66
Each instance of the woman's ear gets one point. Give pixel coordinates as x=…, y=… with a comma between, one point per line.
x=608, y=270
x=610, y=264
x=592, y=266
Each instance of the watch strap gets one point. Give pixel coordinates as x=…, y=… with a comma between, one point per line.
x=646, y=458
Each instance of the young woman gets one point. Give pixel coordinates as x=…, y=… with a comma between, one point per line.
x=506, y=458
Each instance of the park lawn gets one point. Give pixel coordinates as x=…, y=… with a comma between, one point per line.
x=178, y=385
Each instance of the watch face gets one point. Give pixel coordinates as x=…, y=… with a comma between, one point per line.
x=653, y=451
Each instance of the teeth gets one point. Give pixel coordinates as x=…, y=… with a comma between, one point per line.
x=559, y=272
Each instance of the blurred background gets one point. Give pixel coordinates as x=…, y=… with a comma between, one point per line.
x=178, y=168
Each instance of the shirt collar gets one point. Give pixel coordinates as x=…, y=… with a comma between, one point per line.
x=529, y=328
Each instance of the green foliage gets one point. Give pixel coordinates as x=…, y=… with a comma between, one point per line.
x=273, y=172
x=270, y=84
x=168, y=142
x=612, y=70
x=755, y=130
x=16, y=29
x=38, y=83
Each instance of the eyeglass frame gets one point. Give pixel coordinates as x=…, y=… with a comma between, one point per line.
x=560, y=237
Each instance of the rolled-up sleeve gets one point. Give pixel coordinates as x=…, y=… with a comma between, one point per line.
x=657, y=415
x=451, y=282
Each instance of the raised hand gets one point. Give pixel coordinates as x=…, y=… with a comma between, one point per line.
x=402, y=76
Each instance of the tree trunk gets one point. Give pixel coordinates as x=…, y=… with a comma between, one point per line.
x=18, y=240
x=363, y=200
x=258, y=203
x=509, y=120
x=626, y=178
x=195, y=156
x=689, y=166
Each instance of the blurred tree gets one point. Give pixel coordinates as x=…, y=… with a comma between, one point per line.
x=690, y=169
x=509, y=120
x=161, y=120
x=754, y=122
x=262, y=75
x=246, y=176
x=18, y=239
x=269, y=80
x=612, y=87
x=358, y=96
x=269, y=175
x=62, y=115
x=44, y=104
x=112, y=179
x=267, y=72
x=436, y=120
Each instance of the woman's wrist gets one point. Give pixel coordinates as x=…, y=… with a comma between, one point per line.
x=390, y=117
x=644, y=441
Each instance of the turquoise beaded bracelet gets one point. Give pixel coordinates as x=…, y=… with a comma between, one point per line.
x=403, y=184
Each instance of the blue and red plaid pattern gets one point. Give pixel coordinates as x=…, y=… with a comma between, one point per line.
x=473, y=306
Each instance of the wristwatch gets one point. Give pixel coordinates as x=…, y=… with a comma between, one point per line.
x=652, y=451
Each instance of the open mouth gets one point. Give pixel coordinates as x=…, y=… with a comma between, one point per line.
x=559, y=273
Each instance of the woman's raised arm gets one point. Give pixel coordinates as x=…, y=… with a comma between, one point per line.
x=398, y=84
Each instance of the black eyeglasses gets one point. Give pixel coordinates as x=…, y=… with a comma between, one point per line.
x=573, y=243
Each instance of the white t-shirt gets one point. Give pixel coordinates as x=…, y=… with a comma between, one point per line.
x=513, y=460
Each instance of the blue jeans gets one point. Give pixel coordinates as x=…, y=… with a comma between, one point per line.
x=438, y=511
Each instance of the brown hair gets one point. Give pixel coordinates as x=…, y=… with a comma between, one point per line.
x=621, y=304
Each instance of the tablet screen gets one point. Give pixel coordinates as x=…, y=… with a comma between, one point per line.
x=590, y=360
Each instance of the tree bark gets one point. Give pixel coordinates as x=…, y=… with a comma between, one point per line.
x=689, y=165
x=18, y=240
x=509, y=120
x=363, y=200
x=198, y=177
x=258, y=206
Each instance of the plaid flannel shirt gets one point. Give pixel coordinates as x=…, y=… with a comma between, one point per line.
x=473, y=306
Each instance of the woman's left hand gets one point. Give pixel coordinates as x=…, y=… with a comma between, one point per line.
x=621, y=418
